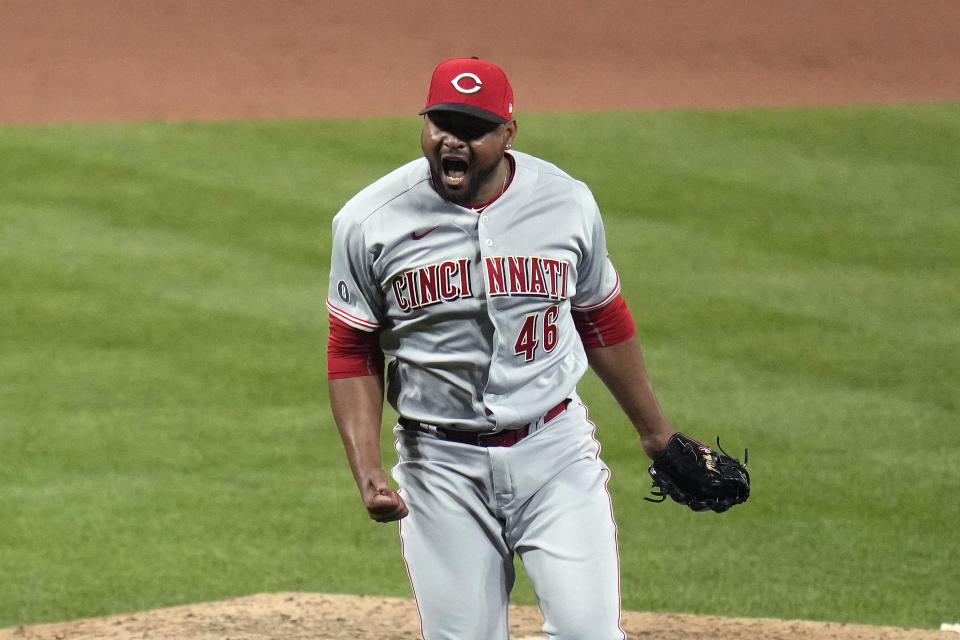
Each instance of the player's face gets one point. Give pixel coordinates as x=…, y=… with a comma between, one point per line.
x=464, y=155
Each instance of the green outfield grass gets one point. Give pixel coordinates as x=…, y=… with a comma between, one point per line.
x=165, y=435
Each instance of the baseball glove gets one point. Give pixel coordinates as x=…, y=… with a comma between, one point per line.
x=693, y=474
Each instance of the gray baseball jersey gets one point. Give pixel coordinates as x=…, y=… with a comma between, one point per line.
x=473, y=307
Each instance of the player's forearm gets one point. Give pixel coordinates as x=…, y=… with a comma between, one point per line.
x=621, y=368
x=357, y=405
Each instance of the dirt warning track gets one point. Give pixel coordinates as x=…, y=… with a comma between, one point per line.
x=109, y=60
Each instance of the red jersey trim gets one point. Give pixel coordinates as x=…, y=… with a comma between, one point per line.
x=613, y=294
x=605, y=326
x=352, y=352
x=352, y=320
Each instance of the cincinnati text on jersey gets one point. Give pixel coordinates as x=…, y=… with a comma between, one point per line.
x=505, y=276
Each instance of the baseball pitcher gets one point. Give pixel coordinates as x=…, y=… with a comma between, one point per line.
x=472, y=288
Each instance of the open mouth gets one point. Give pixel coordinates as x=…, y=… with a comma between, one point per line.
x=454, y=170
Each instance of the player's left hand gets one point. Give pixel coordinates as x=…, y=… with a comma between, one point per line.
x=655, y=442
x=693, y=474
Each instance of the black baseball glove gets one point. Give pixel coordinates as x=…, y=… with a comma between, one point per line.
x=693, y=474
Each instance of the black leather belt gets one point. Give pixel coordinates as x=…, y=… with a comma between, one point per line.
x=505, y=438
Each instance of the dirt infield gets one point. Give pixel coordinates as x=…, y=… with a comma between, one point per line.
x=302, y=616
x=101, y=60
x=115, y=60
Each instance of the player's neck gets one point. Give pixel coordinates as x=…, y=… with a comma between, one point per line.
x=508, y=167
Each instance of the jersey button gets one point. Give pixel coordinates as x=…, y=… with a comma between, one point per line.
x=489, y=243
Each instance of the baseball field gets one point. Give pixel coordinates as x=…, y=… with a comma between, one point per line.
x=783, y=209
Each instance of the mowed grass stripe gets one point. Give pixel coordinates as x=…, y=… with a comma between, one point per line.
x=164, y=427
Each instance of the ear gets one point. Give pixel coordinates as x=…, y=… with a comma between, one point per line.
x=510, y=133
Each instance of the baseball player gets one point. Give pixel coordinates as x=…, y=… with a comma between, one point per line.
x=481, y=273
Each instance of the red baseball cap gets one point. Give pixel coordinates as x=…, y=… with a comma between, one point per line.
x=471, y=86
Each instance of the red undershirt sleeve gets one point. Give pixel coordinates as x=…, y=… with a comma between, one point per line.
x=352, y=352
x=606, y=326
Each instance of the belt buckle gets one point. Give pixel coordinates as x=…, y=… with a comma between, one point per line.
x=453, y=435
x=503, y=438
x=484, y=439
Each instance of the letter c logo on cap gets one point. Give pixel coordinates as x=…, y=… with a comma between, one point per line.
x=477, y=83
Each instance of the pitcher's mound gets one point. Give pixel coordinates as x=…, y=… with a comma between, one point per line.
x=314, y=616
